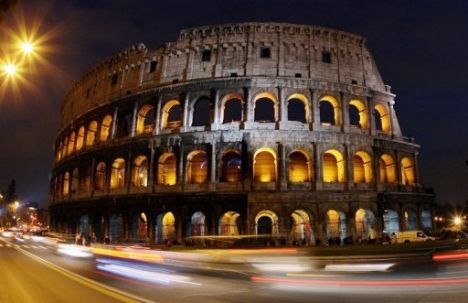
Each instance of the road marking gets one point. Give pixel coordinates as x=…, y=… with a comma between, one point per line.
x=102, y=288
x=8, y=245
x=25, y=246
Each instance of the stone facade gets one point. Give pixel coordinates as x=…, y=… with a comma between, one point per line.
x=250, y=128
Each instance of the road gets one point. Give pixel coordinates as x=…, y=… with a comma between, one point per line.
x=34, y=272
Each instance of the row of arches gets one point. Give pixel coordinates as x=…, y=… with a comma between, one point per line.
x=300, y=169
x=300, y=226
x=265, y=109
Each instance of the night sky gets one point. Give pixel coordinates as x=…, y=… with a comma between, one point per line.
x=420, y=47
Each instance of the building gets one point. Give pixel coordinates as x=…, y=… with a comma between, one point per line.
x=249, y=128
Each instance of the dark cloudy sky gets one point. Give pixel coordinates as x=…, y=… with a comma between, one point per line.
x=421, y=49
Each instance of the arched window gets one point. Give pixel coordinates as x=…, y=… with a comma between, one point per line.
x=201, y=112
x=265, y=107
x=266, y=223
x=64, y=147
x=364, y=220
x=333, y=167
x=75, y=184
x=298, y=108
x=301, y=229
x=105, y=128
x=197, y=167
x=66, y=184
x=264, y=166
x=298, y=167
x=124, y=124
x=85, y=179
x=167, y=169
x=358, y=114
x=197, y=224
x=58, y=151
x=117, y=174
x=232, y=167
x=387, y=169
x=329, y=111
x=411, y=221
x=145, y=120
x=91, y=133
x=140, y=171
x=382, y=118
x=171, y=117
x=229, y=224
x=232, y=110
x=362, y=167
x=80, y=138
x=71, y=143
x=336, y=225
x=407, y=171
x=100, y=177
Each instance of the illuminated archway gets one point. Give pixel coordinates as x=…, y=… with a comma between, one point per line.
x=362, y=167
x=407, y=171
x=410, y=219
x=299, y=167
x=64, y=147
x=165, y=227
x=265, y=165
x=387, y=169
x=171, y=117
x=75, y=182
x=266, y=223
x=201, y=112
x=382, y=118
x=333, y=167
x=360, y=109
x=197, y=224
x=197, y=167
x=329, y=111
x=231, y=166
x=364, y=220
x=167, y=169
x=100, y=176
x=105, y=128
x=391, y=222
x=298, y=108
x=91, y=133
x=140, y=171
x=265, y=107
x=229, y=224
x=336, y=225
x=301, y=229
x=80, y=138
x=231, y=108
x=117, y=179
x=71, y=143
x=145, y=120
x=66, y=184
x=139, y=227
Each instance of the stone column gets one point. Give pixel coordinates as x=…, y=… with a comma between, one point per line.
x=318, y=166
x=216, y=105
x=151, y=167
x=282, y=108
x=248, y=106
x=398, y=167
x=370, y=113
x=93, y=176
x=134, y=119
x=128, y=172
x=349, y=172
x=114, y=123
x=283, y=184
x=213, y=163
x=416, y=169
x=344, y=113
x=180, y=173
x=186, y=104
x=315, y=103
x=157, y=127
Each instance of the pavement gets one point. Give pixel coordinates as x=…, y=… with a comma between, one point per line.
x=34, y=271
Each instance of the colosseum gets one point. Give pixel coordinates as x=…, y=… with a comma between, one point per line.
x=237, y=129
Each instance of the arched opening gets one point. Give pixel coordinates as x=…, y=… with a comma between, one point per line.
x=264, y=166
x=64, y=147
x=333, y=167
x=145, y=120
x=297, y=110
x=75, y=183
x=362, y=167
x=117, y=174
x=364, y=220
x=139, y=227
x=391, y=222
x=66, y=184
x=197, y=224
x=116, y=228
x=71, y=143
x=100, y=177
x=266, y=223
x=84, y=225
x=301, y=230
x=91, y=133
x=411, y=222
x=265, y=108
x=80, y=138
x=232, y=108
x=231, y=167
x=171, y=117
x=124, y=124
x=299, y=167
x=165, y=228
x=167, y=169
x=197, y=167
x=140, y=172
x=387, y=169
x=58, y=151
x=85, y=179
x=329, y=111
x=105, y=128
x=382, y=118
x=336, y=226
x=407, y=171
x=201, y=112
x=426, y=219
x=229, y=224
x=358, y=114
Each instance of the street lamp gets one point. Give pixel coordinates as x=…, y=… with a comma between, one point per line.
x=27, y=47
x=10, y=69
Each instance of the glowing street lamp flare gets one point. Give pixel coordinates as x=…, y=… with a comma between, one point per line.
x=27, y=47
x=10, y=69
x=457, y=220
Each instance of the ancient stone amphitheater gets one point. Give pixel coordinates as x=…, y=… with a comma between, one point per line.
x=236, y=129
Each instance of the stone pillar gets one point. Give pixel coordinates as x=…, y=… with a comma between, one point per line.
x=128, y=172
x=213, y=163
x=157, y=127
x=186, y=120
x=419, y=216
x=370, y=113
x=416, y=169
x=283, y=184
x=318, y=166
x=180, y=172
x=345, y=125
x=151, y=167
x=249, y=106
x=107, y=188
x=282, y=107
x=315, y=103
x=134, y=119
x=114, y=123
x=93, y=176
x=349, y=171
x=398, y=167
x=216, y=120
